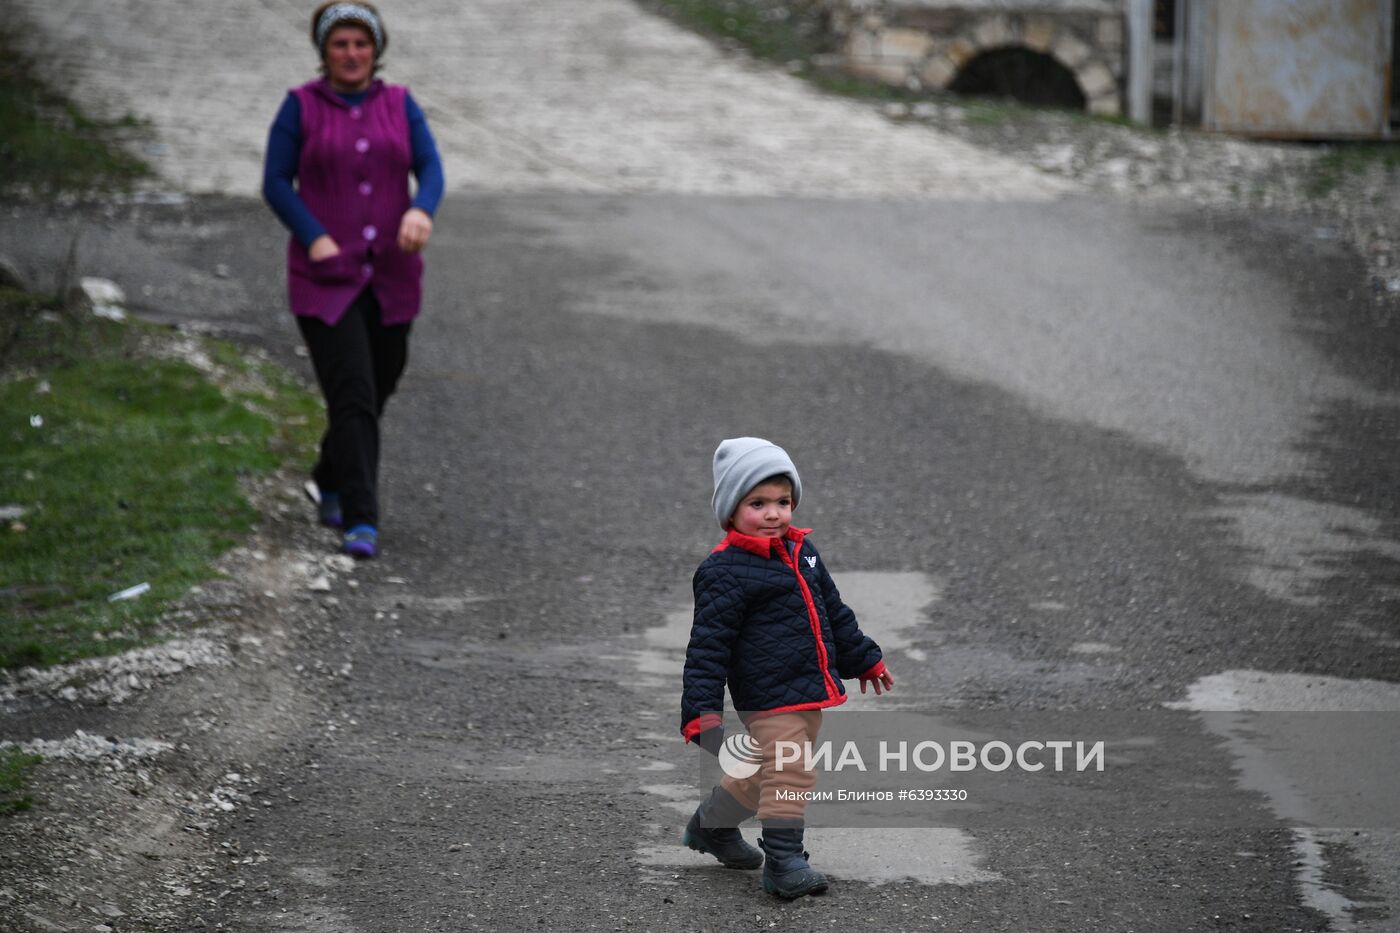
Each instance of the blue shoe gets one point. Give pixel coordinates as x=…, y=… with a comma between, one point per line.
x=361, y=542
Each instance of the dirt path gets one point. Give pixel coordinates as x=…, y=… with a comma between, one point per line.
x=553, y=95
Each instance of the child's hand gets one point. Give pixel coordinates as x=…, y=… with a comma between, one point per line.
x=878, y=681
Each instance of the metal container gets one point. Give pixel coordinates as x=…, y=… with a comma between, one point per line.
x=1298, y=68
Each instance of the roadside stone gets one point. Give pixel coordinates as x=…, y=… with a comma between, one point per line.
x=938, y=71
x=339, y=563
x=105, y=297
x=1097, y=80
x=1071, y=51
x=960, y=52
x=1106, y=105
x=111, y=680
x=1038, y=34
x=905, y=46
x=103, y=291
x=995, y=31
x=85, y=747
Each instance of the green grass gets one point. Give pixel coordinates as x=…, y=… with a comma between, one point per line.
x=130, y=471
x=13, y=795
x=791, y=33
x=774, y=30
x=133, y=475
x=982, y=111
x=1345, y=160
x=846, y=85
x=47, y=145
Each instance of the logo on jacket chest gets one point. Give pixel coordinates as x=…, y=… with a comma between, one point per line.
x=811, y=561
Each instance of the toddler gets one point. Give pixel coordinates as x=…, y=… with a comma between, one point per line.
x=771, y=625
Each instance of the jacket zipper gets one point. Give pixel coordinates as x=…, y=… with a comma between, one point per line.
x=813, y=620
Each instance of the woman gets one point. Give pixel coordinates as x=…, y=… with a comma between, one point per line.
x=338, y=160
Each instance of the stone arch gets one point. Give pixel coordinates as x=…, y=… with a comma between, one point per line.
x=1017, y=72
x=928, y=47
x=1040, y=35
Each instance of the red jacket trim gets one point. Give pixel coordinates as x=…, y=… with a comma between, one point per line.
x=763, y=547
x=797, y=708
x=702, y=723
x=875, y=673
x=813, y=620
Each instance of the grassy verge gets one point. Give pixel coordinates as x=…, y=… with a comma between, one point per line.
x=124, y=462
x=774, y=30
x=122, y=446
x=13, y=795
x=791, y=33
x=47, y=145
x=1345, y=160
x=120, y=459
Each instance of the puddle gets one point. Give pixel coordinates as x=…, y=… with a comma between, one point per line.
x=682, y=798
x=1292, y=760
x=1261, y=691
x=1295, y=544
x=923, y=856
x=891, y=607
x=1093, y=647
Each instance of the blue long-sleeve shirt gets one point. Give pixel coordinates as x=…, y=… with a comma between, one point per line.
x=284, y=154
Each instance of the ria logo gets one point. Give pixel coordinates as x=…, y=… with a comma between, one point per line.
x=740, y=756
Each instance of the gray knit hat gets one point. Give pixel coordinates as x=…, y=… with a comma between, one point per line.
x=741, y=463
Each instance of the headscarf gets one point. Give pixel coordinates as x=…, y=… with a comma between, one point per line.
x=340, y=13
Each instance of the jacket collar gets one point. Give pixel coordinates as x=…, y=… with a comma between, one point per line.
x=322, y=88
x=764, y=547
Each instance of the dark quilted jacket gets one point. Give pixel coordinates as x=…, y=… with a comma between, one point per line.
x=755, y=628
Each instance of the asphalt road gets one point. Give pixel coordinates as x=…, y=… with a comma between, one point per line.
x=1069, y=456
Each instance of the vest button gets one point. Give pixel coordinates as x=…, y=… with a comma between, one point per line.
x=366, y=270
x=366, y=188
x=370, y=232
x=355, y=112
x=362, y=145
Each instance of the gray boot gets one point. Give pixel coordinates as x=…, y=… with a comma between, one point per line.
x=785, y=869
x=715, y=829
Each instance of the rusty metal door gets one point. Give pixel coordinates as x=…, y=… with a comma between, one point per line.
x=1298, y=68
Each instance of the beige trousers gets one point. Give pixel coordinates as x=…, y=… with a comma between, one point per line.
x=760, y=792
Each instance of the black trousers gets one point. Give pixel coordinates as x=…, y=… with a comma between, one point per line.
x=358, y=363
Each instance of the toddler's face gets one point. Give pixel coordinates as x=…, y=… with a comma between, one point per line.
x=766, y=511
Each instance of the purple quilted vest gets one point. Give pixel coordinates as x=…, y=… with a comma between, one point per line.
x=353, y=176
